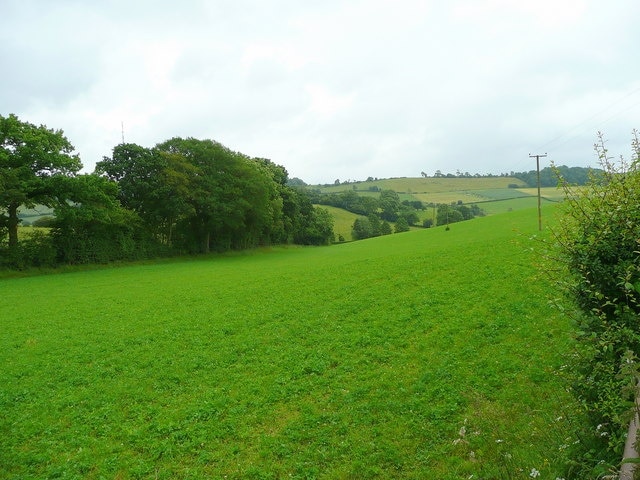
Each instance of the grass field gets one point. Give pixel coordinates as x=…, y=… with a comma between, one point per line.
x=492, y=194
x=428, y=354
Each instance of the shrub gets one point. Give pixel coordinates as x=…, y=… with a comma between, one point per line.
x=597, y=255
x=35, y=250
x=402, y=225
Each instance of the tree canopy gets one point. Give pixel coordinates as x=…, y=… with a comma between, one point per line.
x=183, y=195
x=31, y=159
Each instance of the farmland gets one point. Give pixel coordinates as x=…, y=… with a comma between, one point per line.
x=428, y=354
x=492, y=194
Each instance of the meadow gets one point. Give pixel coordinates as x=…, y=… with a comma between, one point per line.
x=492, y=194
x=427, y=354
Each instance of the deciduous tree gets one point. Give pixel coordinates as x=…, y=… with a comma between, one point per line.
x=30, y=158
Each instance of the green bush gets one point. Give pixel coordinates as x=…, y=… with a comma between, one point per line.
x=35, y=250
x=597, y=255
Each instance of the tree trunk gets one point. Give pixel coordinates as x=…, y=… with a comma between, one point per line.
x=13, y=225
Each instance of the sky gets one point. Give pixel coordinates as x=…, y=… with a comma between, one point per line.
x=332, y=89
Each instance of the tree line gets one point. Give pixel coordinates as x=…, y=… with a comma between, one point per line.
x=550, y=176
x=182, y=196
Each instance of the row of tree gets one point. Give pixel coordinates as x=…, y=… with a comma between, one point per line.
x=181, y=196
x=550, y=176
x=200, y=196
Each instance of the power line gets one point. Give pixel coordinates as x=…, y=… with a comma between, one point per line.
x=594, y=116
x=574, y=131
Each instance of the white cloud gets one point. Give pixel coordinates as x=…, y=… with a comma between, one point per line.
x=330, y=89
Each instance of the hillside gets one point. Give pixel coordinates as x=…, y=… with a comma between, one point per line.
x=343, y=221
x=492, y=195
x=428, y=354
x=447, y=190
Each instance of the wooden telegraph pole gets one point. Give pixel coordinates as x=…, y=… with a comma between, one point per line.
x=537, y=157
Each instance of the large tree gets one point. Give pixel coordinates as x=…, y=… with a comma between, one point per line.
x=154, y=184
x=233, y=197
x=31, y=157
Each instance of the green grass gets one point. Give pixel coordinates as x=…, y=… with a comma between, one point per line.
x=360, y=360
x=492, y=194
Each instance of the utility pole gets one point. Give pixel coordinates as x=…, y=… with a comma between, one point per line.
x=122, y=129
x=537, y=157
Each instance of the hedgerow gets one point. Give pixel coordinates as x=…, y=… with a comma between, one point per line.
x=595, y=259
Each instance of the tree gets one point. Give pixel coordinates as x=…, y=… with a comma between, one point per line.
x=448, y=214
x=154, y=184
x=402, y=225
x=390, y=205
x=319, y=228
x=296, y=182
x=234, y=199
x=30, y=158
x=375, y=224
x=361, y=228
x=92, y=226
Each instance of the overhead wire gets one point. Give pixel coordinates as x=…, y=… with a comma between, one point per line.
x=573, y=132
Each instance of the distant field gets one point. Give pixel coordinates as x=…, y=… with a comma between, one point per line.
x=551, y=193
x=428, y=185
x=427, y=354
x=492, y=194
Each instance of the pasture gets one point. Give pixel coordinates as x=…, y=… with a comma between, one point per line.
x=427, y=354
x=491, y=194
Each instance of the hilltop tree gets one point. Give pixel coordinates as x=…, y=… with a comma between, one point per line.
x=30, y=158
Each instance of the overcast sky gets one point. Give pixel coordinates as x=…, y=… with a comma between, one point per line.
x=331, y=89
